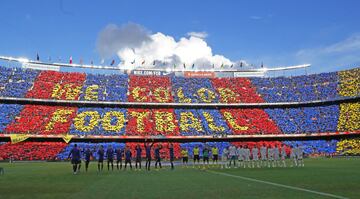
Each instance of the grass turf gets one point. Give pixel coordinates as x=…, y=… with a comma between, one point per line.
x=55, y=180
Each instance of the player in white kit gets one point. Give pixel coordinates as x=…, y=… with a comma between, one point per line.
x=299, y=155
x=263, y=151
x=232, y=156
x=246, y=156
x=283, y=155
x=293, y=156
x=276, y=156
x=255, y=157
x=270, y=156
x=240, y=154
x=224, y=158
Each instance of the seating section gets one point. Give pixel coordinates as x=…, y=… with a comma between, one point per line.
x=99, y=121
x=105, y=88
x=60, y=150
x=297, y=89
x=193, y=90
x=16, y=82
x=349, y=117
x=306, y=120
x=348, y=147
x=49, y=119
x=83, y=121
x=8, y=112
x=236, y=90
x=349, y=82
x=315, y=147
x=151, y=121
x=31, y=150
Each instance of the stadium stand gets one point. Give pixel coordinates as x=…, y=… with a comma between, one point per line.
x=349, y=118
x=31, y=150
x=59, y=120
x=349, y=147
x=297, y=89
x=105, y=88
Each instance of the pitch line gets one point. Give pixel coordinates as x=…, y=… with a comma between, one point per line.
x=278, y=185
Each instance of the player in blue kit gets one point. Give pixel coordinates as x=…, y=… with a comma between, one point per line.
x=110, y=157
x=101, y=158
x=138, y=157
x=147, y=147
x=157, y=156
x=171, y=154
x=87, y=155
x=128, y=155
x=119, y=154
x=75, y=158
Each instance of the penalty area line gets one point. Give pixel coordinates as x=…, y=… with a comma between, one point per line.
x=278, y=185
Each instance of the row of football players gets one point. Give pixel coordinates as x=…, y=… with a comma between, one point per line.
x=243, y=156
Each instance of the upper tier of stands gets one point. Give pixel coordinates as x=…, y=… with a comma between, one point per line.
x=18, y=82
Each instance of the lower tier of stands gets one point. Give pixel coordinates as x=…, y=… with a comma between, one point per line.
x=60, y=150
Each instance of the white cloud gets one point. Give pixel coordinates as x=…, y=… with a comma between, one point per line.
x=134, y=42
x=201, y=35
x=113, y=38
x=341, y=53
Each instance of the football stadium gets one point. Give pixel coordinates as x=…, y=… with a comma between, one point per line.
x=154, y=126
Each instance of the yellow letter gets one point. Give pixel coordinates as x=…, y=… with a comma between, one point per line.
x=210, y=97
x=227, y=95
x=188, y=120
x=211, y=123
x=159, y=97
x=60, y=115
x=164, y=121
x=181, y=96
x=349, y=119
x=232, y=122
x=91, y=92
x=140, y=119
x=107, y=121
x=71, y=91
x=79, y=121
x=136, y=94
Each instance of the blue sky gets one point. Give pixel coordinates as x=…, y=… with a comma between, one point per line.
x=325, y=33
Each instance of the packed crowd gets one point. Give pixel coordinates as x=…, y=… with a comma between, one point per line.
x=17, y=82
x=60, y=150
x=31, y=150
x=348, y=147
x=306, y=120
x=36, y=119
x=99, y=121
x=104, y=121
x=296, y=89
x=349, y=117
x=105, y=88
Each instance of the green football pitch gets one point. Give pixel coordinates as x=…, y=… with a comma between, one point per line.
x=320, y=178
